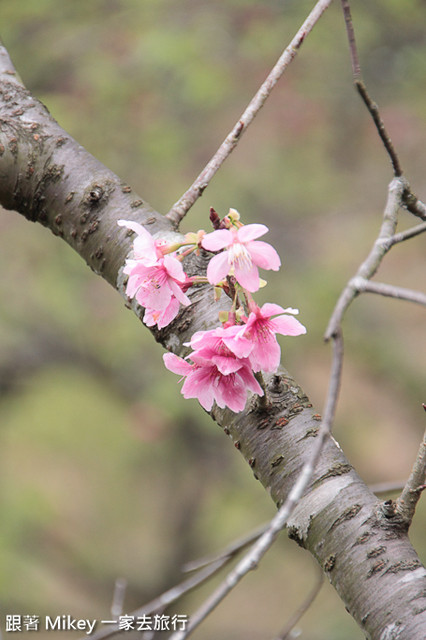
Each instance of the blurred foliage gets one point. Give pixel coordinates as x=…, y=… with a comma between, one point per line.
x=105, y=470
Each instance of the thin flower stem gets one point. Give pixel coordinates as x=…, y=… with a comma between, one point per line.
x=251, y=560
x=182, y=206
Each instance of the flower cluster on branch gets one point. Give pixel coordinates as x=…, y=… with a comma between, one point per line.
x=225, y=363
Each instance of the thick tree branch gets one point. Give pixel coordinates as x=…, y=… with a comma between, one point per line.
x=49, y=178
x=251, y=560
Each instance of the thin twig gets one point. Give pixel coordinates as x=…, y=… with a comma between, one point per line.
x=168, y=597
x=356, y=68
x=251, y=560
x=413, y=204
x=369, y=267
x=120, y=587
x=228, y=552
x=407, y=501
x=401, y=293
x=380, y=126
x=362, y=90
x=386, y=487
x=284, y=634
x=406, y=235
x=182, y=206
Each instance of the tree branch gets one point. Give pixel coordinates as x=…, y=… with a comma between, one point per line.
x=401, y=293
x=409, y=200
x=362, y=90
x=407, y=501
x=369, y=267
x=182, y=206
x=251, y=560
x=49, y=178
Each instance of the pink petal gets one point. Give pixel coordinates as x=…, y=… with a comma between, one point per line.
x=133, y=284
x=156, y=295
x=178, y=293
x=177, y=365
x=199, y=384
x=266, y=355
x=231, y=393
x=248, y=278
x=217, y=240
x=239, y=345
x=169, y=314
x=271, y=309
x=218, y=267
x=174, y=268
x=251, y=232
x=144, y=249
x=133, y=226
x=250, y=381
x=143, y=244
x=287, y=326
x=264, y=255
x=226, y=365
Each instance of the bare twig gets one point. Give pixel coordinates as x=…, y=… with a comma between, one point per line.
x=182, y=206
x=413, y=204
x=406, y=235
x=251, y=560
x=362, y=90
x=380, y=126
x=401, y=293
x=120, y=587
x=284, y=634
x=229, y=551
x=407, y=501
x=356, y=69
x=386, y=487
x=369, y=267
x=168, y=597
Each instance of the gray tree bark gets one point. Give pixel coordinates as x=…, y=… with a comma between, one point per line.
x=361, y=544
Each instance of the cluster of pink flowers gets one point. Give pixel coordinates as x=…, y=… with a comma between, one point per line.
x=156, y=278
x=223, y=364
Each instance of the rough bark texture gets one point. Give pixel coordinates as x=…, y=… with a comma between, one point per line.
x=361, y=544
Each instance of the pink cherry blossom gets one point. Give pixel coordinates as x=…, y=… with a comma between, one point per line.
x=260, y=329
x=216, y=374
x=224, y=346
x=161, y=318
x=154, y=285
x=145, y=246
x=157, y=280
x=242, y=256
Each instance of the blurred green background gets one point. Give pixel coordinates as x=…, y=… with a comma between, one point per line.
x=105, y=471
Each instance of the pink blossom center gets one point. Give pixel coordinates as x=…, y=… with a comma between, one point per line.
x=239, y=256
